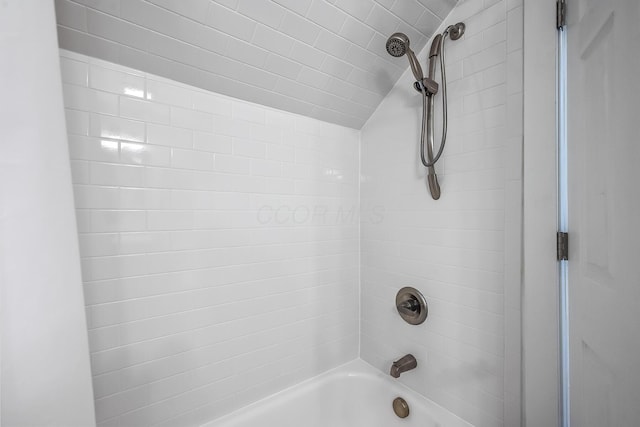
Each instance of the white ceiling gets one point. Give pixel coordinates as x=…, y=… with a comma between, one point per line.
x=321, y=58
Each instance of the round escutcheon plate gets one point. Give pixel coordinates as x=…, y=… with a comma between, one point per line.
x=411, y=305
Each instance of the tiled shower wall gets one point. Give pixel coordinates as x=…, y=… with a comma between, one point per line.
x=219, y=244
x=462, y=251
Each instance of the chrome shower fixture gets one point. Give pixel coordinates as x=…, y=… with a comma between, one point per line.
x=398, y=45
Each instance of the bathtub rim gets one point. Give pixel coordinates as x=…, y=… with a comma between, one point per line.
x=354, y=368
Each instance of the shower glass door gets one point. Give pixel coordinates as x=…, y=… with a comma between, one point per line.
x=603, y=171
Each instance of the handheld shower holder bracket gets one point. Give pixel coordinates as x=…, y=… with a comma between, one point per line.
x=430, y=86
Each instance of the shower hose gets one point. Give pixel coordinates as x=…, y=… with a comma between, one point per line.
x=425, y=161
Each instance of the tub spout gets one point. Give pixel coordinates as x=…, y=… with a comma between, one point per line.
x=404, y=364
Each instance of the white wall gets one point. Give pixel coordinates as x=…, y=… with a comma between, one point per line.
x=219, y=244
x=45, y=364
x=463, y=251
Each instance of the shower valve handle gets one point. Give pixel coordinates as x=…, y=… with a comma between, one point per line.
x=409, y=307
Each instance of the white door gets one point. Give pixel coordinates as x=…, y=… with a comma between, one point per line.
x=603, y=74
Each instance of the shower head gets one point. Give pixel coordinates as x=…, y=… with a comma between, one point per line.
x=397, y=46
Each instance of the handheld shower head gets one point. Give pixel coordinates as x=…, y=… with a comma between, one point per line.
x=398, y=45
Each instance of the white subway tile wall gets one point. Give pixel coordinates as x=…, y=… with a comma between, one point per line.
x=219, y=243
x=286, y=54
x=462, y=251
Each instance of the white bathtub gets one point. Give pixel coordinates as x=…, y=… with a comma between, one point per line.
x=352, y=395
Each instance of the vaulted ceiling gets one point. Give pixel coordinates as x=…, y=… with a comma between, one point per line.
x=320, y=58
